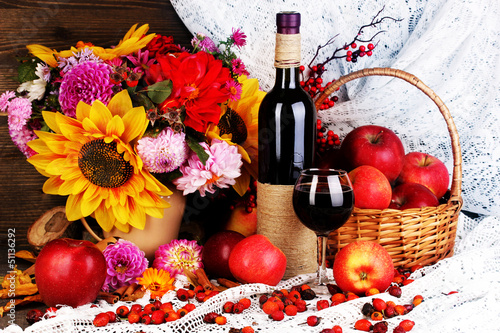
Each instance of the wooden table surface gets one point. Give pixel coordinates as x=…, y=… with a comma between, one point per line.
x=57, y=24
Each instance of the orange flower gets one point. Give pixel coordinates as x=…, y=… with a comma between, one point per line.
x=158, y=282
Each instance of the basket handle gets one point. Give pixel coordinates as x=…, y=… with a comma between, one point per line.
x=456, y=184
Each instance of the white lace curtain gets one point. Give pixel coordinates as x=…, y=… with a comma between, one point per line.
x=451, y=45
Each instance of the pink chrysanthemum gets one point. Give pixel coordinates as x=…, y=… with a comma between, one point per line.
x=239, y=67
x=21, y=138
x=177, y=256
x=234, y=89
x=5, y=100
x=164, y=153
x=239, y=37
x=19, y=112
x=87, y=82
x=220, y=170
x=125, y=262
x=204, y=43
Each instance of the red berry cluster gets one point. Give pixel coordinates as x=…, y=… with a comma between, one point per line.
x=286, y=302
x=326, y=139
x=359, y=52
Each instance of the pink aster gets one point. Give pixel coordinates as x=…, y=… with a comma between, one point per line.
x=239, y=37
x=234, y=89
x=87, y=81
x=5, y=100
x=204, y=43
x=219, y=171
x=177, y=256
x=21, y=138
x=19, y=112
x=125, y=262
x=239, y=67
x=163, y=153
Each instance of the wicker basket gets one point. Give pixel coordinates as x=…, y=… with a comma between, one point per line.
x=412, y=236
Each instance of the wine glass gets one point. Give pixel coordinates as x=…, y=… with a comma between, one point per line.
x=323, y=200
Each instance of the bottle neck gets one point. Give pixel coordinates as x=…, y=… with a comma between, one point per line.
x=287, y=78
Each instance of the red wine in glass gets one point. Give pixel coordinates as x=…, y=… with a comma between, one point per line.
x=323, y=201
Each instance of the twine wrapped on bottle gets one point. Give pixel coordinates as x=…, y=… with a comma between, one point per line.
x=278, y=222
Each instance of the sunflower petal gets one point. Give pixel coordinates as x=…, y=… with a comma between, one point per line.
x=44, y=53
x=120, y=104
x=105, y=219
x=100, y=115
x=115, y=127
x=82, y=110
x=135, y=122
x=73, y=207
x=51, y=185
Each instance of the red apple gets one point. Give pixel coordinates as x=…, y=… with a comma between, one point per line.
x=427, y=170
x=376, y=146
x=256, y=260
x=216, y=251
x=69, y=272
x=371, y=188
x=412, y=195
x=363, y=265
x=243, y=222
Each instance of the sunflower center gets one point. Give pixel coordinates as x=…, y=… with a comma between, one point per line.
x=102, y=165
x=232, y=123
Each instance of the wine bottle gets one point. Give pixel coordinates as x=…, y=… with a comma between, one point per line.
x=287, y=116
x=287, y=135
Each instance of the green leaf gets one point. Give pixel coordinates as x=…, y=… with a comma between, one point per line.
x=198, y=149
x=143, y=101
x=26, y=71
x=159, y=91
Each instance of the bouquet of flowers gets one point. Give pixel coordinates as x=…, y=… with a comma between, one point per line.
x=103, y=123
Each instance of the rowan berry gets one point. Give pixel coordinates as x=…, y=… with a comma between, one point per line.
x=277, y=315
x=377, y=316
x=189, y=307
x=238, y=308
x=401, y=310
x=362, y=48
x=301, y=305
x=200, y=297
x=371, y=46
x=389, y=311
x=101, y=319
x=291, y=310
x=379, y=304
x=171, y=316
x=363, y=325
x=263, y=299
x=313, y=320
x=247, y=329
x=220, y=320
x=166, y=306
x=407, y=325
x=293, y=295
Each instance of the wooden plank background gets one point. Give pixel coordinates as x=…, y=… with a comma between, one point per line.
x=58, y=24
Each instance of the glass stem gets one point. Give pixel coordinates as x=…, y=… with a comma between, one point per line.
x=322, y=241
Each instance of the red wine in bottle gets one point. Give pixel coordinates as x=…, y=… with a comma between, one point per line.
x=287, y=116
x=287, y=135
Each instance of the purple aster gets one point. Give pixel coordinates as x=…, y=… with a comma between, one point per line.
x=177, y=256
x=204, y=43
x=164, y=153
x=234, y=89
x=87, y=82
x=239, y=37
x=141, y=61
x=239, y=67
x=5, y=100
x=124, y=262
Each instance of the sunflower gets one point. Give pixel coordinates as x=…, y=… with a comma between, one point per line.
x=91, y=160
x=158, y=282
x=238, y=125
x=134, y=40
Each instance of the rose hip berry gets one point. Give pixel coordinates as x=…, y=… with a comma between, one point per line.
x=407, y=324
x=238, y=308
x=277, y=315
x=220, y=320
x=101, y=319
x=395, y=291
x=228, y=307
x=210, y=317
x=34, y=316
x=337, y=329
x=291, y=310
x=322, y=304
x=398, y=329
x=380, y=327
x=363, y=325
x=313, y=320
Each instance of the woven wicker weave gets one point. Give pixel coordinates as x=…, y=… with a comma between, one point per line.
x=412, y=236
